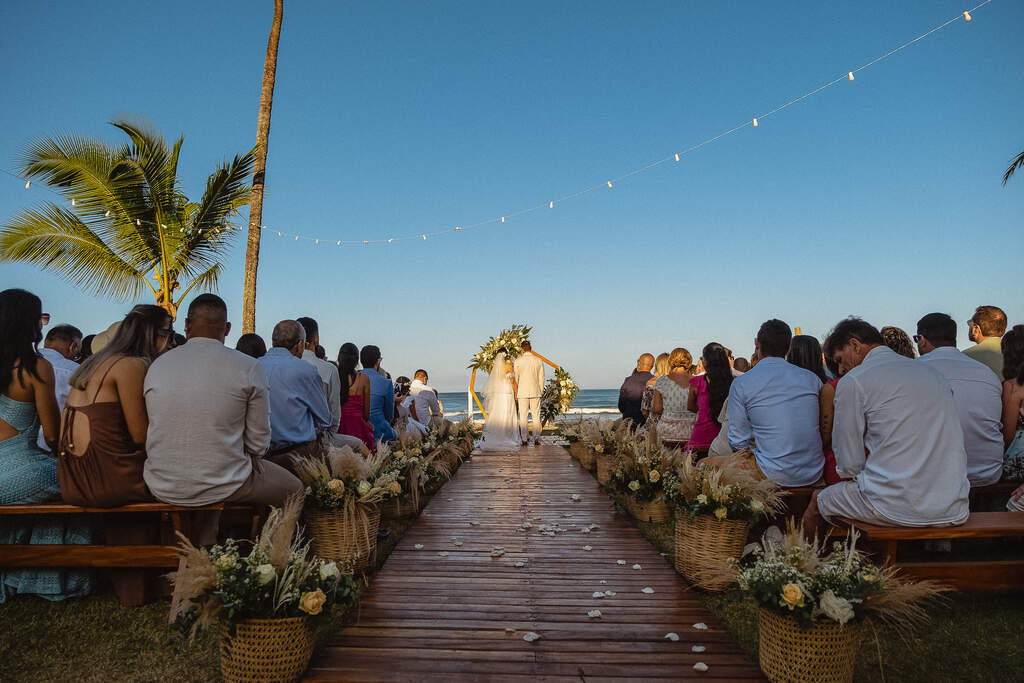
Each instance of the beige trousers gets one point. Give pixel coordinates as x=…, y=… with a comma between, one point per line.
x=529, y=405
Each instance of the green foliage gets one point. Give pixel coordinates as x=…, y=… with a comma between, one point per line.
x=511, y=340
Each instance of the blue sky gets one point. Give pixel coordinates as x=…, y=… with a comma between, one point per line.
x=880, y=197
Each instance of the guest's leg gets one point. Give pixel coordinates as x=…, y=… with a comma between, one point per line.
x=268, y=484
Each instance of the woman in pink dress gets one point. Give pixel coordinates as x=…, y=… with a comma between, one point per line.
x=355, y=397
x=707, y=395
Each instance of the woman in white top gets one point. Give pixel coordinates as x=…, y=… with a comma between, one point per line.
x=675, y=422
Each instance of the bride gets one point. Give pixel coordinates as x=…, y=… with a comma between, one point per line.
x=501, y=430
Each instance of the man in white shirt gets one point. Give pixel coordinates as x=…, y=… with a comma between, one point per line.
x=62, y=343
x=425, y=407
x=529, y=370
x=775, y=404
x=328, y=373
x=976, y=391
x=209, y=420
x=896, y=434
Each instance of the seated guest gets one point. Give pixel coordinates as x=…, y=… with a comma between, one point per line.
x=675, y=422
x=741, y=365
x=775, y=405
x=985, y=328
x=61, y=346
x=660, y=370
x=976, y=392
x=355, y=397
x=103, y=432
x=631, y=392
x=251, y=344
x=805, y=352
x=827, y=410
x=382, y=395
x=898, y=340
x=27, y=473
x=1013, y=403
x=85, y=349
x=425, y=409
x=209, y=420
x=903, y=412
x=707, y=395
x=328, y=373
x=321, y=353
x=298, y=404
x=405, y=419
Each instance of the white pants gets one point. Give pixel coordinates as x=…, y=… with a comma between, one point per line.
x=531, y=405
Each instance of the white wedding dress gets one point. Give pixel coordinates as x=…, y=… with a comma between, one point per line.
x=501, y=429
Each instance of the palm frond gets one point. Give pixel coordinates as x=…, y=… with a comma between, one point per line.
x=1018, y=162
x=204, y=282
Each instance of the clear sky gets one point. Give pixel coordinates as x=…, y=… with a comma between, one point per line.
x=880, y=197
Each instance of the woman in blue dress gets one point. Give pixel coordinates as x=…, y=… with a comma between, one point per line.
x=27, y=473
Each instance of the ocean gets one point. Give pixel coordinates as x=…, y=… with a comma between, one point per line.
x=588, y=402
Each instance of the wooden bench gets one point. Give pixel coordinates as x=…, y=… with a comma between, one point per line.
x=966, y=575
x=798, y=497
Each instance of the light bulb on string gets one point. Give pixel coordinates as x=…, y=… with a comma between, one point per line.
x=316, y=241
x=967, y=16
x=609, y=184
x=138, y=223
x=677, y=158
x=424, y=238
x=366, y=241
x=107, y=214
x=502, y=219
x=278, y=233
x=72, y=201
x=296, y=238
x=390, y=240
x=850, y=75
x=458, y=229
x=551, y=205
x=339, y=243
x=755, y=123
x=28, y=184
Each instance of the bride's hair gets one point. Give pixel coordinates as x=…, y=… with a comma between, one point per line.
x=502, y=350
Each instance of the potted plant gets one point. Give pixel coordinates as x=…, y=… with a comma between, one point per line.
x=814, y=598
x=343, y=496
x=268, y=602
x=715, y=506
x=638, y=472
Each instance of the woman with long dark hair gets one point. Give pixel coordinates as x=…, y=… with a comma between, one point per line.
x=708, y=393
x=27, y=473
x=103, y=430
x=805, y=352
x=1012, y=346
x=355, y=397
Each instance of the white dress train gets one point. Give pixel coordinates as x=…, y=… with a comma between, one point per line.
x=501, y=428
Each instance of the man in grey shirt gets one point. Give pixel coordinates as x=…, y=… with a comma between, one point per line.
x=209, y=420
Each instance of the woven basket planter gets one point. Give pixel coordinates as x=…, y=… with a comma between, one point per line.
x=823, y=654
x=399, y=508
x=705, y=543
x=344, y=541
x=265, y=650
x=604, y=463
x=576, y=448
x=656, y=511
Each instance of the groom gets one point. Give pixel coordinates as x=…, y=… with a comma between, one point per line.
x=530, y=383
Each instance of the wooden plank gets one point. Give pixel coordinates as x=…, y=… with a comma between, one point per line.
x=462, y=615
x=62, y=509
x=978, y=525
x=88, y=556
x=990, y=575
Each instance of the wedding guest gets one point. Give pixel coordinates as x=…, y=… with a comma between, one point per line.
x=27, y=473
x=355, y=397
x=321, y=353
x=85, y=350
x=903, y=412
x=209, y=420
x=252, y=345
x=1013, y=403
x=632, y=391
x=328, y=373
x=660, y=370
x=805, y=352
x=707, y=395
x=775, y=405
x=675, y=423
x=426, y=409
x=103, y=431
x=741, y=364
x=985, y=328
x=382, y=394
x=61, y=346
x=977, y=394
x=898, y=340
x=827, y=410
x=405, y=410
x=298, y=405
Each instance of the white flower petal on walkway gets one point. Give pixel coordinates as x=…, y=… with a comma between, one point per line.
x=587, y=547
x=520, y=564
x=701, y=626
x=636, y=566
x=609, y=594
x=697, y=648
x=418, y=546
x=620, y=562
x=602, y=582
x=672, y=636
x=457, y=542
x=530, y=636
x=597, y=594
x=443, y=553
x=594, y=613
x=575, y=497
x=700, y=666
x=647, y=590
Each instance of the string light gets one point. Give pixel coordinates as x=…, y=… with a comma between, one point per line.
x=676, y=156
x=107, y=214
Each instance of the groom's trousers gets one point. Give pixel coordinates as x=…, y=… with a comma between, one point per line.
x=531, y=405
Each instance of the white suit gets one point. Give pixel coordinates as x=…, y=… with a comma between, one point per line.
x=529, y=371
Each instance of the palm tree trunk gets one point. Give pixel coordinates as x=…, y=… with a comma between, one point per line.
x=252, y=251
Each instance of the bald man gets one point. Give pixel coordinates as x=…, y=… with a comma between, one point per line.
x=632, y=391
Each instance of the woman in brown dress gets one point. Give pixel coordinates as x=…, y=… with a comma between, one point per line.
x=103, y=429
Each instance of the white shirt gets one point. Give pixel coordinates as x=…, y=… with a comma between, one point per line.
x=979, y=403
x=209, y=414
x=332, y=386
x=903, y=412
x=62, y=371
x=775, y=403
x=425, y=400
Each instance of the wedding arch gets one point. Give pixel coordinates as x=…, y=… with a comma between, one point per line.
x=559, y=391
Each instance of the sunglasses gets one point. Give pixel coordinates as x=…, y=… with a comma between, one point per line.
x=44, y=319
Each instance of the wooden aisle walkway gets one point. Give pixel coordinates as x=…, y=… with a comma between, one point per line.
x=442, y=608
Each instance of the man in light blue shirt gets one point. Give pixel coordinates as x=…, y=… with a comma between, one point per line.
x=298, y=404
x=775, y=405
x=382, y=395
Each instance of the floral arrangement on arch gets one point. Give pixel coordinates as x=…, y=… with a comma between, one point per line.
x=276, y=579
x=511, y=339
x=726, y=491
x=810, y=581
x=558, y=395
x=641, y=465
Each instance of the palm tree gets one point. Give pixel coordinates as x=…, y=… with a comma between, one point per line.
x=129, y=221
x=1018, y=162
x=252, y=250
